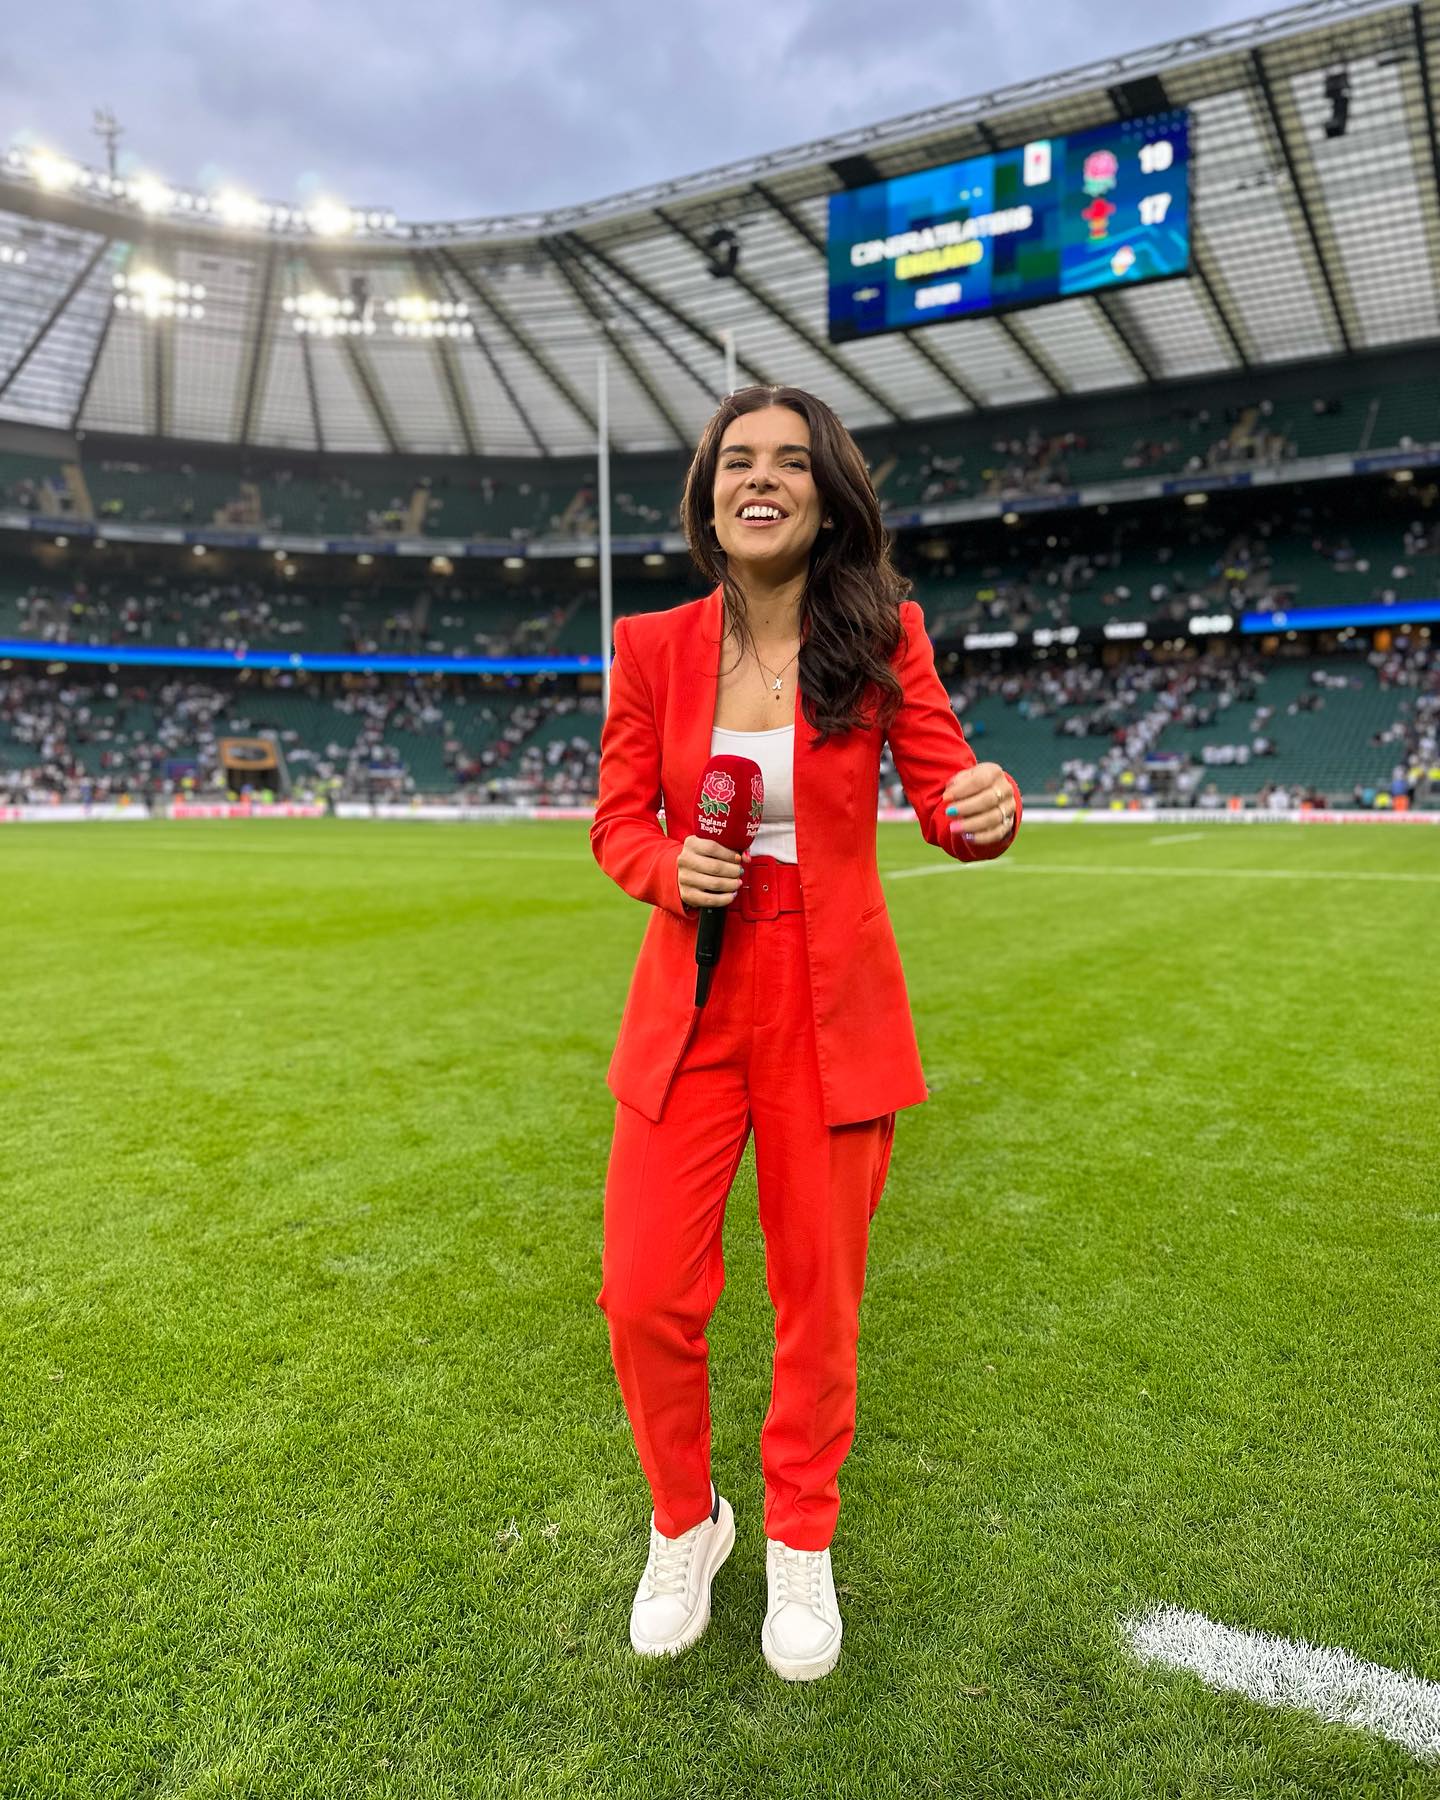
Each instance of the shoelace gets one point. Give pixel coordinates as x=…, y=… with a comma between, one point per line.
x=795, y=1566
x=669, y=1570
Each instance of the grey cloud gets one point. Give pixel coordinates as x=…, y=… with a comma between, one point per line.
x=481, y=108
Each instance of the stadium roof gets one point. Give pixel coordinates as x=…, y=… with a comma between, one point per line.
x=1305, y=245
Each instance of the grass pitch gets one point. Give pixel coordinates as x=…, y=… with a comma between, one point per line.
x=317, y=1480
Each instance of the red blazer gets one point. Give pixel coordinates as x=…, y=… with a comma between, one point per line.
x=655, y=743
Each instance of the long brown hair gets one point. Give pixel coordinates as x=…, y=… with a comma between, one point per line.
x=850, y=609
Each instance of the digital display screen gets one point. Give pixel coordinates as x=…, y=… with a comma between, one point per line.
x=1067, y=215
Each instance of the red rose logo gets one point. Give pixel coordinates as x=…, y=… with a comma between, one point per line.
x=716, y=793
x=719, y=786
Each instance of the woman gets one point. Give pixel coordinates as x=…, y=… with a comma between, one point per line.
x=804, y=656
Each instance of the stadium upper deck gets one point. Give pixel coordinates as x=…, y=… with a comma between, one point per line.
x=1305, y=244
x=1302, y=422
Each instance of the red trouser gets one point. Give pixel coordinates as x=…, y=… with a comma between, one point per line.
x=751, y=1059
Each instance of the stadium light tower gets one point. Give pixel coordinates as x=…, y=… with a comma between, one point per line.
x=107, y=127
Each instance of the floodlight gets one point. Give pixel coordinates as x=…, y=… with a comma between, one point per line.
x=1337, y=92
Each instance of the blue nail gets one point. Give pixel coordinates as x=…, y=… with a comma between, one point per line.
x=952, y=810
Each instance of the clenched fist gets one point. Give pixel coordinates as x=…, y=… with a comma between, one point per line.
x=981, y=803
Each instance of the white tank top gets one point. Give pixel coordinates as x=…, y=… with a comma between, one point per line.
x=775, y=752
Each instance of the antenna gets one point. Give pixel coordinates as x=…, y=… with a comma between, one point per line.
x=106, y=127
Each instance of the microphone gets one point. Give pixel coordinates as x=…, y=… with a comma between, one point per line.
x=728, y=805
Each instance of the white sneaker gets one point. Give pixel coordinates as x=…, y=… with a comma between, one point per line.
x=802, y=1629
x=672, y=1602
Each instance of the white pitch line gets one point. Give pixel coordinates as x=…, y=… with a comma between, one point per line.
x=1334, y=1685
x=1181, y=837
x=948, y=864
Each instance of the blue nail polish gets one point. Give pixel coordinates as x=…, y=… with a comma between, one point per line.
x=952, y=810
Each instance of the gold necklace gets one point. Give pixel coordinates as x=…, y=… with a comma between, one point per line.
x=771, y=672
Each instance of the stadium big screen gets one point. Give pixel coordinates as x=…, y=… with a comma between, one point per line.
x=1102, y=208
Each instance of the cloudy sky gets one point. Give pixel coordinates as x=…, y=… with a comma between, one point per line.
x=444, y=111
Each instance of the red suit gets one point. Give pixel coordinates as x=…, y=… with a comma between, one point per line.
x=806, y=1035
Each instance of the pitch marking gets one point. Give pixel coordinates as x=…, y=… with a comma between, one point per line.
x=1029, y=868
x=1181, y=837
x=1332, y=1684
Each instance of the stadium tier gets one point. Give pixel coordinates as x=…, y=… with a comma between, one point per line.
x=1360, y=729
x=1365, y=408
x=1176, y=717
x=1298, y=546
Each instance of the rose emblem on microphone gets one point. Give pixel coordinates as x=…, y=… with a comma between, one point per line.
x=716, y=794
x=757, y=796
x=725, y=802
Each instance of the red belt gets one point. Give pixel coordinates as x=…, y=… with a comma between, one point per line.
x=769, y=887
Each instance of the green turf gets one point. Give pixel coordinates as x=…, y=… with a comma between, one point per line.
x=317, y=1479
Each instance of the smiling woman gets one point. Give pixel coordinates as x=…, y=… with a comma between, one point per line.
x=806, y=1034
x=779, y=509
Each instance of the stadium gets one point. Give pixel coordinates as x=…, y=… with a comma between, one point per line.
x=315, y=525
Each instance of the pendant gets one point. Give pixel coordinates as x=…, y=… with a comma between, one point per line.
x=777, y=684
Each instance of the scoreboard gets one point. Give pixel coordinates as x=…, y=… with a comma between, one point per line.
x=1103, y=208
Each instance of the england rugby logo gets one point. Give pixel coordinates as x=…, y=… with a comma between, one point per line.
x=716, y=794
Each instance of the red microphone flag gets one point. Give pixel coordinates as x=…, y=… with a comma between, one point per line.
x=729, y=802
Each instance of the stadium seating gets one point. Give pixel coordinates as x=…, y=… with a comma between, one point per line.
x=1327, y=543
x=225, y=614
x=32, y=483
x=1156, y=567
x=507, y=741
x=1373, y=403
x=1371, y=407
x=1328, y=748
x=1001, y=732
x=138, y=495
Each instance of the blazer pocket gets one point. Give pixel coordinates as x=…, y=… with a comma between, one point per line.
x=871, y=911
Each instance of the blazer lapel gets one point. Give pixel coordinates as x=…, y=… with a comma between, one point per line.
x=812, y=785
x=690, y=711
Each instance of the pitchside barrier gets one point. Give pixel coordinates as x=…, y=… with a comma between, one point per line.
x=448, y=813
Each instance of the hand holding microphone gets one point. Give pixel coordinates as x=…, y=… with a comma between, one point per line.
x=709, y=872
x=728, y=806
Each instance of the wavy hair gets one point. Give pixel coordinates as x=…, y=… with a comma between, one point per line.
x=850, y=609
